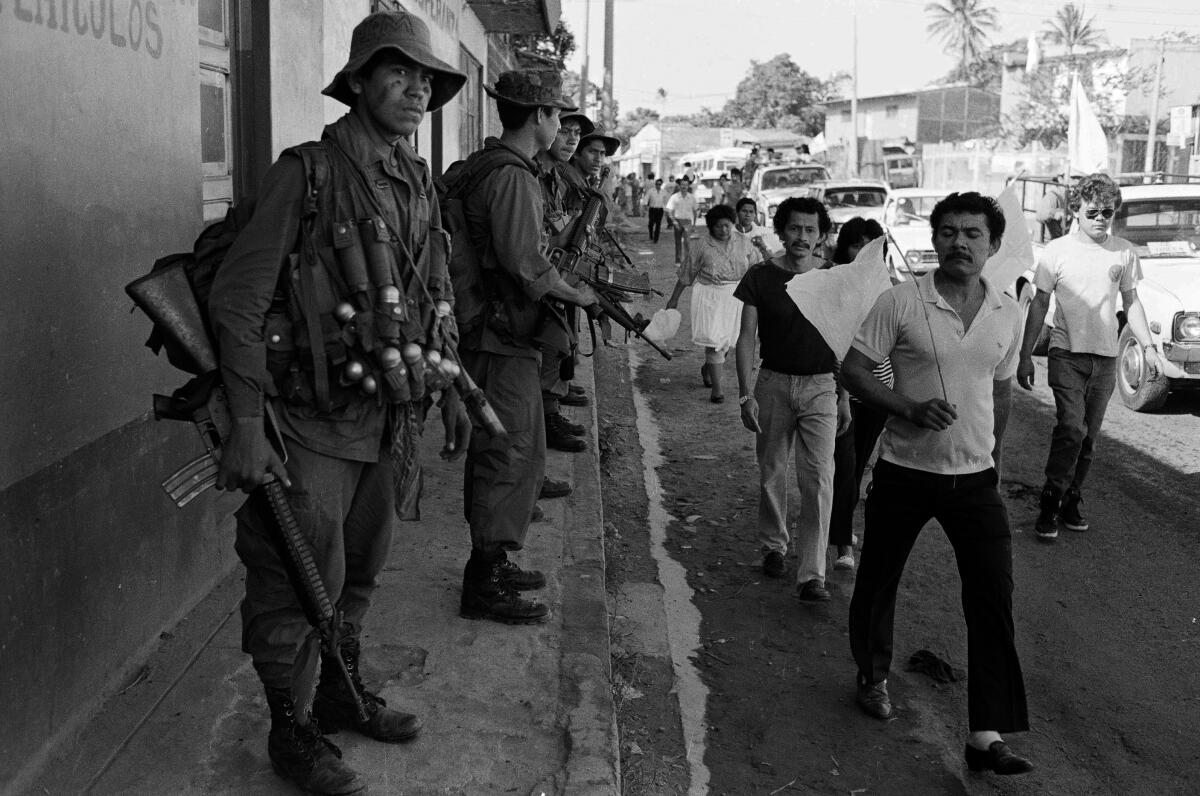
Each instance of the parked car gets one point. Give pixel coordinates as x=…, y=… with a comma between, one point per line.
x=773, y=183
x=849, y=198
x=906, y=217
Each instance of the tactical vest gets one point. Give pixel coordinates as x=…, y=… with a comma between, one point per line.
x=359, y=232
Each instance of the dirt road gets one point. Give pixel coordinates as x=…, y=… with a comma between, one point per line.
x=1108, y=621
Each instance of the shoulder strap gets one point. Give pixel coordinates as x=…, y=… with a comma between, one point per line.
x=315, y=158
x=480, y=165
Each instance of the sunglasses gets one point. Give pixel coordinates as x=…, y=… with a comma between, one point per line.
x=1105, y=213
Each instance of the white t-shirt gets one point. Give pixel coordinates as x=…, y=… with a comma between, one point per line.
x=1087, y=279
x=924, y=337
x=682, y=207
x=769, y=238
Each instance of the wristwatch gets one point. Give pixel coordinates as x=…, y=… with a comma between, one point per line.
x=742, y=399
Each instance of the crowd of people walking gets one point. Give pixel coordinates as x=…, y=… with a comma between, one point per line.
x=343, y=275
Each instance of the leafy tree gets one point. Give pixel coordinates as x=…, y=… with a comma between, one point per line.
x=778, y=93
x=963, y=25
x=1071, y=29
x=554, y=49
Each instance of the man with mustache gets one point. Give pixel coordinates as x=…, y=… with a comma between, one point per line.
x=953, y=340
x=795, y=403
x=275, y=289
x=1086, y=270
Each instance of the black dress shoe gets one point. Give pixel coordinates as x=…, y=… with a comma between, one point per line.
x=998, y=758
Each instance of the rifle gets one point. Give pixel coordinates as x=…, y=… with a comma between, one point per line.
x=579, y=259
x=166, y=296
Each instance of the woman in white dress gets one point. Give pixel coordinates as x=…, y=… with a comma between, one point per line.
x=714, y=270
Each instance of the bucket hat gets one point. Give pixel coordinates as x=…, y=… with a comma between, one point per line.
x=409, y=36
x=611, y=143
x=531, y=88
x=586, y=125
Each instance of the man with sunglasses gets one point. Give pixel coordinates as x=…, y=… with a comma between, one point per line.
x=1086, y=270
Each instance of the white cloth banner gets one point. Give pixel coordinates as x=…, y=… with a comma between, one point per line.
x=1016, y=250
x=836, y=300
x=818, y=144
x=1087, y=146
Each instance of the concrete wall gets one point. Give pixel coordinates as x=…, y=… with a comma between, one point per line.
x=873, y=121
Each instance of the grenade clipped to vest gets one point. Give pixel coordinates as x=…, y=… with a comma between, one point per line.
x=376, y=321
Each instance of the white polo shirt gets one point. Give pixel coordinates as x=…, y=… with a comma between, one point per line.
x=970, y=359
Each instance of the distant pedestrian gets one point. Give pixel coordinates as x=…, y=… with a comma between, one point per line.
x=953, y=339
x=855, y=445
x=734, y=188
x=796, y=403
x=764, y=240
x=1085, y=271
x=720, y=262
x=1053, y=211
x=681, y=218
x=718, y=190
x=656, y=202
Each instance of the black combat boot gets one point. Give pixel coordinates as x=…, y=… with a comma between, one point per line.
x=1047, y=521
x=560, y=434
x=301, y=755
x=334, y=704
x=1070, y=512
x=519, y=579
x=487, y=595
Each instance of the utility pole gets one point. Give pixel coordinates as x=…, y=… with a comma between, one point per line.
x=607, y=116
x=853, y=152
x=583, y=75
x=1148, y=166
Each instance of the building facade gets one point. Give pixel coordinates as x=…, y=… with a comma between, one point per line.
x=128, y=125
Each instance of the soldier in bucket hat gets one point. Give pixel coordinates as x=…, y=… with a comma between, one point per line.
x=285, y=280
x=499, y=305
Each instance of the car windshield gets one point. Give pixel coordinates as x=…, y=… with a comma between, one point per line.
x=913, y=210
x=1161, y=227
x=855, y=197
x=787, y=178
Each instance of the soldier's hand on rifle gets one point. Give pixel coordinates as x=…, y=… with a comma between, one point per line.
x=247, y=457
x=585, y=296
x=457, y=424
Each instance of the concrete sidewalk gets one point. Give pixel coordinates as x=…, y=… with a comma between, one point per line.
x=520, y=710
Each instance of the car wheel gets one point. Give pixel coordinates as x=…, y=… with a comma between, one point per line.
x=1137, y=391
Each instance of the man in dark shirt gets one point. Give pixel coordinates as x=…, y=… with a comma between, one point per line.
x=341, y=439
x=504, y=216
x=796, y=399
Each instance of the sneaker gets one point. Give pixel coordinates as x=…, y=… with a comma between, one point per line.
x=844, y=562
x=554, y=489
x=813, y=591
x=1046, y=526
x=874, y=700
x=773, y=565
x=1070, y=514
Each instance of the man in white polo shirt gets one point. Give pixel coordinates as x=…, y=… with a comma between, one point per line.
x=953, y=340
x=681, y=217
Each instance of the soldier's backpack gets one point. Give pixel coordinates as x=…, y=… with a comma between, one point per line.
x=471, y=294
x=204, y=260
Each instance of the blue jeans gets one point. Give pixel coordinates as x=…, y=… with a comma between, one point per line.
x=1082, y=386
x=800, y=413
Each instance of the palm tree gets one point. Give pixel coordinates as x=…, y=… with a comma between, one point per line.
x=1070, y=28
x=963, y=25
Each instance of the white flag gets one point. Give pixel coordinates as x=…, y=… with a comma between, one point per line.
x=836, y=300
x=1016, y=249
x=1087, y=147
x=1034, y=54
x=818, y=145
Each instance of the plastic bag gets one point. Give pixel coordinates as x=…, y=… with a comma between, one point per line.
x=663, y=325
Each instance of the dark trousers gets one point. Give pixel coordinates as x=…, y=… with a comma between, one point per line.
x=501, y=482
x=972, y=514
x=656, y=218
x=1082, y=386
x=850, y=456
x=345, y=509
